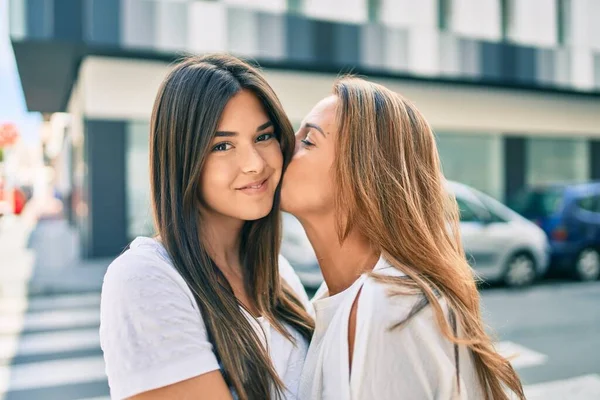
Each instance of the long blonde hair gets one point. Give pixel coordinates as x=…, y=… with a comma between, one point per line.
x=391, y=189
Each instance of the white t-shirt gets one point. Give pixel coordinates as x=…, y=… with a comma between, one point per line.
x=152, y=333
x=412, y=362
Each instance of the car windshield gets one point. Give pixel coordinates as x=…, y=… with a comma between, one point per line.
x=536, y=203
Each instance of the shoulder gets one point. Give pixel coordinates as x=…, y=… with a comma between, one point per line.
x=143, y=265
x=385, y=305
x=152, y=333
x=142, y=283
x=287, y=273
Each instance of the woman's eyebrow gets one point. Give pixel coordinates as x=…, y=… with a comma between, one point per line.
x=315, y=126
x=262, y=127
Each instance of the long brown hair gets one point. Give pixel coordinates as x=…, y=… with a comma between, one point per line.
x=186, y=113
x=391, y=188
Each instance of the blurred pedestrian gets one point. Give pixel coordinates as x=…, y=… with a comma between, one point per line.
x=200, y=310
x=398, y=315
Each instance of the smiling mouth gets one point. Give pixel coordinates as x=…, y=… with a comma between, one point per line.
x=254, y=187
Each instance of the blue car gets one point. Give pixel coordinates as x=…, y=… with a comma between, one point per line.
x=570, y=216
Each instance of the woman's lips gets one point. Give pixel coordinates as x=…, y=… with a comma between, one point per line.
x=255, y=187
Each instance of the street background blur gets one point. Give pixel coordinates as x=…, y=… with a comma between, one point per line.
x=510, y=87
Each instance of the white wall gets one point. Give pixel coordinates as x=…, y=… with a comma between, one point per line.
x=477, y=18
x=337, y=10
x=171, y=25
x=119, y=89
x=207, y=17
x=274, y=6
x=409, y=13
x=534, y=22
x=585, y=25
x=125, y=89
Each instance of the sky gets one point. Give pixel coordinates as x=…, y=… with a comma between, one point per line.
x=12, y=101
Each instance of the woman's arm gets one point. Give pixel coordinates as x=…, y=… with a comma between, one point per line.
x=210, y=386
x=154, y=340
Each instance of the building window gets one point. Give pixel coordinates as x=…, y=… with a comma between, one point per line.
x=374, y=7
x=294, y=6
x=473, y=159
x=506, y=18
x=557, y=160
x=444, y=14
x=139, y=214
x=563, y=21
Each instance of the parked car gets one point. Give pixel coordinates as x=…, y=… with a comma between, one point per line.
x=500, y=244
x=570, y=216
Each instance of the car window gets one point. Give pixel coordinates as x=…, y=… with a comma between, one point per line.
x=466, y=209
x=589, y=203
x=537, y=203
x=487, y=202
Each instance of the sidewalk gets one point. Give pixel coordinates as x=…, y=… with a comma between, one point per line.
x=40, y=256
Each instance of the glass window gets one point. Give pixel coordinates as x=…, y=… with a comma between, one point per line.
x=506, y=15
x=537, y=203
x=589, y=203
x=557, y=160
x=466, y=212
x=138, y=20
x=17, y=18
x=473, y=159
x=294, y=6
x=563, y=21
x=373, y=10
x=444, y=10
x=337, y=10
x=474, y=211
x=171, y=25
x=139, y=215
x=242, y=32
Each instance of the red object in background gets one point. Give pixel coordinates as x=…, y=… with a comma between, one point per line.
x=8, y=135
x=560, y=234
x=19, y=199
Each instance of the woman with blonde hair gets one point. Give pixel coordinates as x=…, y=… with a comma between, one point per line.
x=398, y=314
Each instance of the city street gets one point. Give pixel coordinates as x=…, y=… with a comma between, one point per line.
x=52, y=351
x=49, y=343
x=557, y=324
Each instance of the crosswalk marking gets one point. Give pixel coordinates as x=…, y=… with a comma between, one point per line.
x=21, y=304
x=49, y=320
x=51, y=373
x=581, y=388
x=97, y=398
x=62, y=324
x=520, y=356
x=49, y=342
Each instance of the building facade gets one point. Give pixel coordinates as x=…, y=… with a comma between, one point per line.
x=510, y=87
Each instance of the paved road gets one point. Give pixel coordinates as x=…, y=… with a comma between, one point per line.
x=559, y=325
x=49, y=344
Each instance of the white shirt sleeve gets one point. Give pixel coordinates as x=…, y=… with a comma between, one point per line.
x=414, y=362
x=151, y=332
x=286, y=271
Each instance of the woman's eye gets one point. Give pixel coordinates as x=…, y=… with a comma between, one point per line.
x=222, y=147
x=265, y=136
x=306, y=141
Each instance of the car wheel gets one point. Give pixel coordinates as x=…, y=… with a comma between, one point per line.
x=520, y=271
x=587, y=266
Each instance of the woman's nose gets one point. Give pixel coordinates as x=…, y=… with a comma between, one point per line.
x=252, y=161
